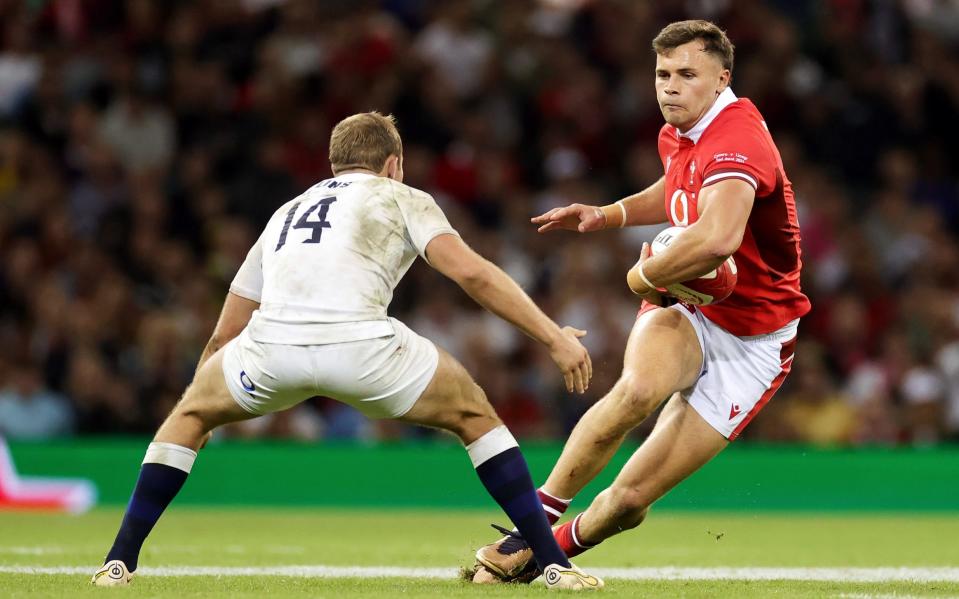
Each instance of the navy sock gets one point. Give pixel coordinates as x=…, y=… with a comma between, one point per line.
x=156, y=487
x=507, y=479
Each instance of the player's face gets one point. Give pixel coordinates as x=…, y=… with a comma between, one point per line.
x=688, y=79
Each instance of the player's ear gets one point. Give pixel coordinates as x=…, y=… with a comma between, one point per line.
x=389, y=167
x=394, y=167
x=724, y=78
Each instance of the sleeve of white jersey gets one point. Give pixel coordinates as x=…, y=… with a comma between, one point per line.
x=423, y=217
x=248, y=281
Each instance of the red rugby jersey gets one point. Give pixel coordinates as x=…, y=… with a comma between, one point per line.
x=732, y=141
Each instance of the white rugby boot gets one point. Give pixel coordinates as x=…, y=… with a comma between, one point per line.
x=570, y=579
x=114, y=573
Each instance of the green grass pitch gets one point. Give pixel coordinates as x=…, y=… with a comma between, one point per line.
x=281, y=538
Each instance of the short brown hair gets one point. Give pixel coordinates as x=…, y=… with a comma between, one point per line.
x=714, y=39
x=364, y=140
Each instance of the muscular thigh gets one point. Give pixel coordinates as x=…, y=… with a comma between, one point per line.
x=451, y=394
x=663, y=353
x=208, y=396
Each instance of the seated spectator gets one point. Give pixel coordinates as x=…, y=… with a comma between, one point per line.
x=28, y=410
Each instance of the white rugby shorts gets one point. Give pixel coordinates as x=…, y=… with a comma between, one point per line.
x=381, y=377
x=739, y=374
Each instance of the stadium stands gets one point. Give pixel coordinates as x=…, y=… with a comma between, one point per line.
x=144, y=143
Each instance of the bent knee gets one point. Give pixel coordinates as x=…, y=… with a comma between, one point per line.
x=189, y=414
x=635, y=398
x=471, y=403
x=473, y=416
x=470, y=425
x=629, y=506
x=196, y=413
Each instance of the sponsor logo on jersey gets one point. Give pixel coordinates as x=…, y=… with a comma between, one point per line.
x=246, y=382
x=679, y=208
x=734, y=411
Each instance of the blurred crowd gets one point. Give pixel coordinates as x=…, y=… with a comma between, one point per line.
x=144, y=143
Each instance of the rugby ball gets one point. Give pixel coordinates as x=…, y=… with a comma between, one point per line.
x=712, y=287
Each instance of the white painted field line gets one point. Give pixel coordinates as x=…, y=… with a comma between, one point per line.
x=295, y=571
x=32, y=550
x=884, y=596
x=886, y=574
x=881, y=574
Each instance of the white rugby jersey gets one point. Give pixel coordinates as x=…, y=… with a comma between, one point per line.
x=326, y=264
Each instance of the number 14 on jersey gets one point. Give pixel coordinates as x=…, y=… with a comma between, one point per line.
x=321, y=208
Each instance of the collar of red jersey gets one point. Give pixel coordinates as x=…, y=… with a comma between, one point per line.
x=723, y=100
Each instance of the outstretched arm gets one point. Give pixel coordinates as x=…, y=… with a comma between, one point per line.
x=497, y=292
x=647, y=207
x=724, y=211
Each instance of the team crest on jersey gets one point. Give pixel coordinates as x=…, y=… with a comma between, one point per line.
x=669, y=162
x=692, y=172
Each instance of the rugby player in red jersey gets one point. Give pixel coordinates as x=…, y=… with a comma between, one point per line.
x=717, y=365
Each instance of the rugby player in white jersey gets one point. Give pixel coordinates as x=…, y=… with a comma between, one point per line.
x=306, y=316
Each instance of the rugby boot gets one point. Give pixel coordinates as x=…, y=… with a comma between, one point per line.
x=114, y=573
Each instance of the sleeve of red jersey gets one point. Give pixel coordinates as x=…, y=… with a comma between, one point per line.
x=742, y=151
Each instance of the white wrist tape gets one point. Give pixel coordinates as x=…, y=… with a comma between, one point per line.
x=622, y=207
x=645, y=279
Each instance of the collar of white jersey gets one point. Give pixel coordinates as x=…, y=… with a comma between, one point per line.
x=354, y=177
x=723, y=100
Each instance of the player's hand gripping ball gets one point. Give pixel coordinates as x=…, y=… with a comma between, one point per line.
x=712, y=287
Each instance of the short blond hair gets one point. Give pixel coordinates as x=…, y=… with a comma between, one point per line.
x=364, y=140
x=714, y=39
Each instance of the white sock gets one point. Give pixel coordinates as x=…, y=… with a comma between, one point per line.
x=168, y=454
x=490, y=445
